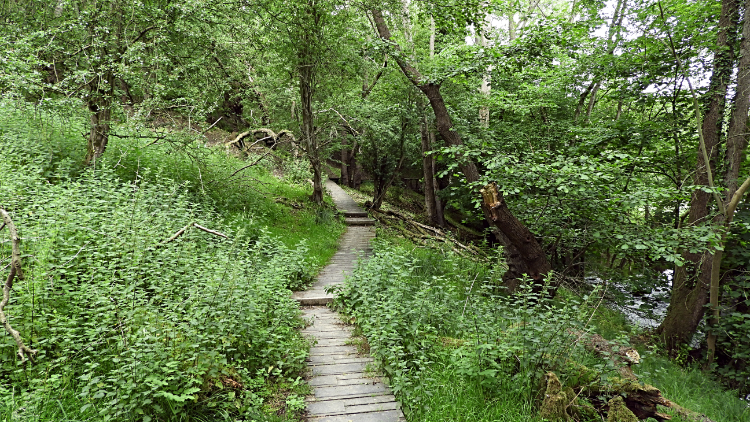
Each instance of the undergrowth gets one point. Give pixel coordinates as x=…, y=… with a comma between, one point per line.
x=440, y=325
x=130, y=325
x=455, y=346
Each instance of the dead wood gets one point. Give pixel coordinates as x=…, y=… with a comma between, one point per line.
x=621, y=357
x=207, y=230
x=180, y=232
x=641, y=399
x=421, y=233
x=177, y=234
x=15, y=272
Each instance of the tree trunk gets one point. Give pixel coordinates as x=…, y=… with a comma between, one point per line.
x=100, y=106
x=690, y=286
x=737, y=134
x=308, y=129
x=353, y=166
x=357, y=178
x=385, y=181
x=523, y=252
x=524, y=255
x=736, y=144
x=484, y=89
x=344, y=162
x=429, y=176
x=307, y=74
x=592, y=101
x=582, y=98
x=433, y=205
x=440, y=184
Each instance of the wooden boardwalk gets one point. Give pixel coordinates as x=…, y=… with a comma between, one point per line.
x=343, y=389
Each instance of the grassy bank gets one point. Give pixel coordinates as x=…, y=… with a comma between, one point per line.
x=455, y=347
x=128, y=324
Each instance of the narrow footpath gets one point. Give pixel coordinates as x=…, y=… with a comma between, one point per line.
x=342, y=389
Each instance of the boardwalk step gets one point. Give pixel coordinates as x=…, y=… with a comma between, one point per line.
x=359, y=222
x=314, y=301
x=356, y=214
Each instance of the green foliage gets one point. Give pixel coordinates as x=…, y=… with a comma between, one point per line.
x=425, y=312
x=733, y=342
x=297, y=171
x=692, y=389
x=130, y=326
x=454, y=348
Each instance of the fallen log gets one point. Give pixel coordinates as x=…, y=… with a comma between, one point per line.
x=642, y=400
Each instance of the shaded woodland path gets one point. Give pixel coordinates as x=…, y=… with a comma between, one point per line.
x=342, y=390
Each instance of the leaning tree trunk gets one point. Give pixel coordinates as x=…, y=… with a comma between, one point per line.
x=690, y=287
x=523, y=253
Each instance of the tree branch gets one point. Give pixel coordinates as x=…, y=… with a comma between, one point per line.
x=213, y=232
x=180, y=232
x=15, y=271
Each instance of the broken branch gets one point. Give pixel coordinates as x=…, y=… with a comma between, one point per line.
x=213, y=232
x=179, y=233
x=424, y=232
x=15, y=271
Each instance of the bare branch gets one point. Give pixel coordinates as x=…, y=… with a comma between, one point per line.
x=15, y=271
x=251, y=164
x=177, y=234
x=180, y=232
x=213, y=124
x=213, y=232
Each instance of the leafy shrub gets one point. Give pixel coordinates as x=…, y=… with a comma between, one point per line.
x=297, y=171
x=734, y=339
x=137, y=327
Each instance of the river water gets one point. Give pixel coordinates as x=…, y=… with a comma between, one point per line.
x=641, y=299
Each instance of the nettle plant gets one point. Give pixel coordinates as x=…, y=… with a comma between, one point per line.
x=418, y=307
x=130, y=324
